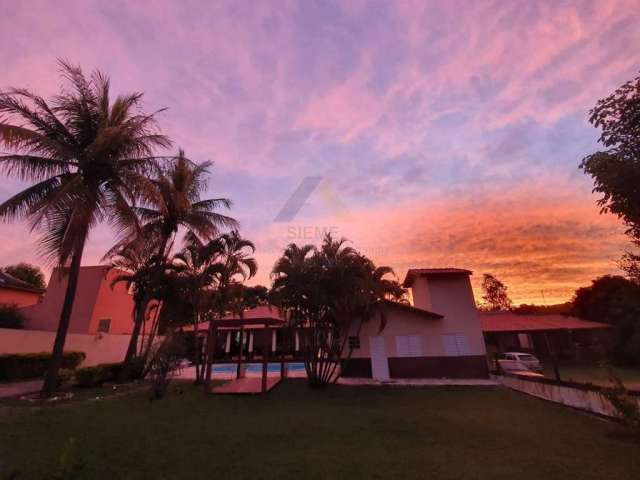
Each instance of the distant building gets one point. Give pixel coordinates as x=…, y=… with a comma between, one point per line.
x=17, y=292
x=99, y=307
x=568, y=337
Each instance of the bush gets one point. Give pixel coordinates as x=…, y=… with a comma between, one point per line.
x=98, y=374
x=65, y=375
x=25, y=366
x=11, y=316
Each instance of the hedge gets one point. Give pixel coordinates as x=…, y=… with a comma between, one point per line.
x=23, y=366
x=98, y=374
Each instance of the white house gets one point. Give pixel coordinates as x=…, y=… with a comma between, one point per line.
x=438, y=336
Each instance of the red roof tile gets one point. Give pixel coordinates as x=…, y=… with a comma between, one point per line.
x=10, y=282
x=514, y=322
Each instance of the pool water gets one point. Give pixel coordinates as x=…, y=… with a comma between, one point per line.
x=257, y=367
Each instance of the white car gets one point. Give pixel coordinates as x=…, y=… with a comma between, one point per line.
x=518, y=362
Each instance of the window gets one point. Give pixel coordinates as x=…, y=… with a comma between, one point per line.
x=103, y=325
x=354, y=343
x=409, y=346
x=456, y=344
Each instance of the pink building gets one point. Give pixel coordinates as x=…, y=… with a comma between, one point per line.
x=16, y=292
x=99, y=307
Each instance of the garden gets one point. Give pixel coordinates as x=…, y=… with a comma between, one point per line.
x=297, y=432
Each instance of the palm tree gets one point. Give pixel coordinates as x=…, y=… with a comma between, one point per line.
x=172, y=201
x=87, y=156
x=136, y=264
x=325, y=291
x=235, y=264
x=199, y=268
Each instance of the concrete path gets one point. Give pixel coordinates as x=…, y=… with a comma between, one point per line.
x=19, y=388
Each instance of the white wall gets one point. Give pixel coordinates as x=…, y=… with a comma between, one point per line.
x=589, y=400
x=451, y=295
x=101, y=348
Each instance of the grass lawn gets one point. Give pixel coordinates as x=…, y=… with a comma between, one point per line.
x=296, y=433
x=594, y=373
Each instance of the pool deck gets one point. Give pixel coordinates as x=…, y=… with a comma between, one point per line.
x=245, y=386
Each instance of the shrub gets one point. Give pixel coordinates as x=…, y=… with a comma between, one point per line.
x=24, y=366
x=11, y=316
x=65, y=375
x=98, y=374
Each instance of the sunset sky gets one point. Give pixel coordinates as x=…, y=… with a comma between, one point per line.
x=445, y=133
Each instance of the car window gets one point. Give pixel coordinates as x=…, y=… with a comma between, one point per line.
x=527, y=358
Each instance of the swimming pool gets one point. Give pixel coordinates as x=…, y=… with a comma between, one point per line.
x=257, y=367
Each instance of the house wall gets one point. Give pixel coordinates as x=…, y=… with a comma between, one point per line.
x=113, y=303
x=18, y=297
x=451, y=295
x=447, y=295
x=435, y=363
x=97, y=348
x=94, y=300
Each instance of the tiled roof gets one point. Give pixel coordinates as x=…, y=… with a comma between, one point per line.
x=514, y=322
x=11, y=282
x=410, y=308
x=418, y=272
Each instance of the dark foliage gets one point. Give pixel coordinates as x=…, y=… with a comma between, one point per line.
x=27, y=273
x=33, y=365
x=614, y=300
x=559, y=308
x=10, y=316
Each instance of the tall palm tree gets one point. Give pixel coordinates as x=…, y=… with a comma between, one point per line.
x=136, y=264
x=199, y=268
x=171, y=201
x=87, y=156
x=235, y=264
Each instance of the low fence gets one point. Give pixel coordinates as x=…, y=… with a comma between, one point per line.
x=590, y=398
x=98, y=348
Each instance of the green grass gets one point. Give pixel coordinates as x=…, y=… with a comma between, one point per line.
x=296, y=433
x=594, y=373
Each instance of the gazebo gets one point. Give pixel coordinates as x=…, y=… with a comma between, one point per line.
x=258, y=336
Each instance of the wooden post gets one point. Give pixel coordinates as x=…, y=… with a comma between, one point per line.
x=283, y=373
x=554, y=359
x=265, y=358
x=240, y=354
x=212, y=341
x=227, y=344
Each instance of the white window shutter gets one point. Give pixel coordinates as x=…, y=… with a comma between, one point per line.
x=456, y=344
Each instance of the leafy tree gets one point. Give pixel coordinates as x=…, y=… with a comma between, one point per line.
x=27, y=273
x=327, y=292
x=495, y=296
x=614, y=300
x=11, y=316
x=254, y=296
x=616, y=169
x=88, y=157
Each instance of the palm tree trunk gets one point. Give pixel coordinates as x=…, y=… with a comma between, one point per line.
x=51, y=377
x=138, y=318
